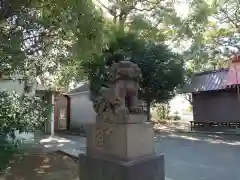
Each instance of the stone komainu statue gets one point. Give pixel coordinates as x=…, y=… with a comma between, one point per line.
x=122, y=95
x=125, y=77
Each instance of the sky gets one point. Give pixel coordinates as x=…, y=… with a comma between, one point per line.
x=181, y=7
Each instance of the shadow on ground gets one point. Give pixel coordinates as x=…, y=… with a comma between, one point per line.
x=191, y=156
x=45, y=166
x=213, y=139
x=72, y=145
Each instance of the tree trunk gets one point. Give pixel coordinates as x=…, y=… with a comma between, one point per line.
x=148, y=111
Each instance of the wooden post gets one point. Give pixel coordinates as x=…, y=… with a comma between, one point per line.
x=238, y=90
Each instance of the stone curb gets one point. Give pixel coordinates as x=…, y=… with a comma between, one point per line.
x=212, y=133
x=199, y=132
x=75, y=158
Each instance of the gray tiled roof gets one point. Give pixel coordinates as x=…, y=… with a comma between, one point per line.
x=207, y=81
x=82, y=88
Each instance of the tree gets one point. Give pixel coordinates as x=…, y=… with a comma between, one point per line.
x=205, y=36
x=121, y=10
x=163, y=111
x=160, y=21
x=44, y=39
x=228, y=13
x=162, y=70
x=22, y=116
x=217, y=37
x=39, y=37
x=149, y=19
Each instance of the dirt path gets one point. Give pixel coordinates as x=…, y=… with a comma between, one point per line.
x=43, y=166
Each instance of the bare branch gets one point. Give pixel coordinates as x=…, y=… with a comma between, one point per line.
x=154, y=6
x=104, y=6
x=235, y=24
x=188, y=97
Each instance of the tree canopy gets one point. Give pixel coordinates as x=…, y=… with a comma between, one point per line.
x=217, y=37
x=51, y=39
x=205, y=32
x=39, y=37
x=162, y=70
x=64, y=41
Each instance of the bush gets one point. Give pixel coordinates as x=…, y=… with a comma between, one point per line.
x=23, y=114
x=163, y=110
x=7, y=150
x=176, y=116
x=163, y=122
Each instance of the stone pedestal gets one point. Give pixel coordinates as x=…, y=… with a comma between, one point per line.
x=121, y=151
x=120, y=141
x=99, y=168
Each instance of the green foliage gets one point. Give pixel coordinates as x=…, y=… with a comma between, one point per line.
x=9, y=153
x=175, y=116
x=216, y=37
x=58, y=37
x=188, y=34
x=7, y=150
x=23, y=115
x=162, y=73
x=162, y=70
x=190, y=108
x=163, y=111
x=39, y=37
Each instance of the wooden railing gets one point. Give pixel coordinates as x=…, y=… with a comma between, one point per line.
x=197, y=124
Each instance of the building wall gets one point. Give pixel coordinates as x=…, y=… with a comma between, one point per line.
x=10, y=85
x=17, y=85
x=216, y=106
x=81, y=111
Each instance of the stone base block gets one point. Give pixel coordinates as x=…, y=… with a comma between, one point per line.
x=136, y=118
x=96, y=168
x=121, y=141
